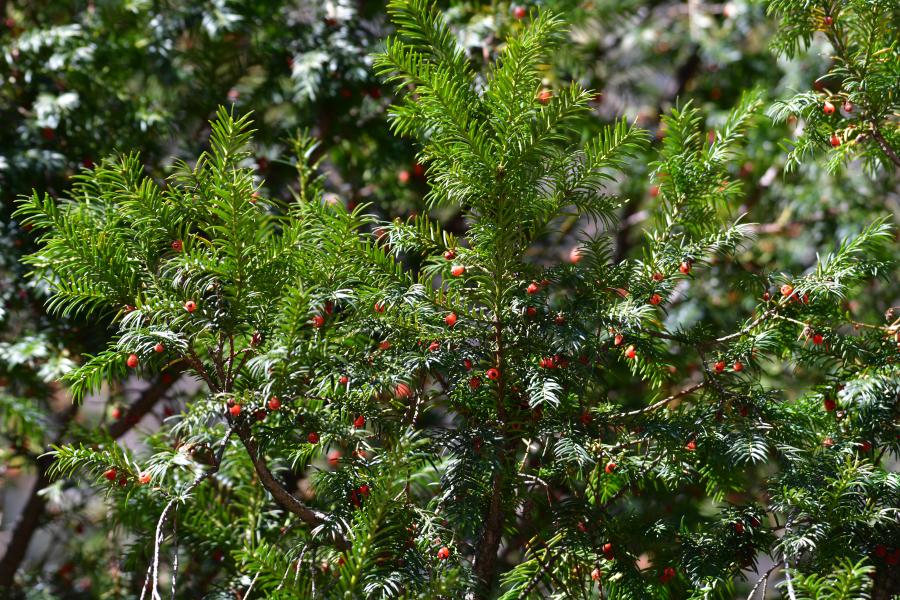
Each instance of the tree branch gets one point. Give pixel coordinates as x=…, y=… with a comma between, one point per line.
x=660, y=403
x=283, y=497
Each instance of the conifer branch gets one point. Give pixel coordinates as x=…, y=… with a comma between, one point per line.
x=282, y=496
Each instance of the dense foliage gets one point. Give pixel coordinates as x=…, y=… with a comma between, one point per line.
x=587, y=364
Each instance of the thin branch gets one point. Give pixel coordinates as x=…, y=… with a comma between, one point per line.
x=659, y=404
x=162, y=518
x=749, y=327
x=759, y=581
x=884, y=145
x=282, y=496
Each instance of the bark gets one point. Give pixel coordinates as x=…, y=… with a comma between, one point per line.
x=282, y=496
x=485, y=565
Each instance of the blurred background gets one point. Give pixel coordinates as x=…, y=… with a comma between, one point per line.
x=82, y=80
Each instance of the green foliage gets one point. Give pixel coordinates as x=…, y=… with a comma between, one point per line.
x=431, y=407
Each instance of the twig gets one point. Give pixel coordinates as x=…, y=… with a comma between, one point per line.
x=283, y=497
x=162, y=518
x=759, y=581
x=250, y=587
x=883, y=144
x=659, y=404
x=749, y=327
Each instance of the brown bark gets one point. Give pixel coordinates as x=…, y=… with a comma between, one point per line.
x=485, y=564
x=282, y=496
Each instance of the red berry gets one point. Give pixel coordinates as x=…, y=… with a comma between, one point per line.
x=654, y=191
x=159, y=348
x=560, y=320
x=893, y=558
x=828, y=108
x=595, y=574
x=402, y=390
x=787, y=290
x=865, y=446
x=828, y=442
x=607, y=550
x=880, y=551
x=363, y=490
x=630, y=352
x=434, y=347
x=658, y=277
x=835, y=140
x=467, y=364
x=313, y=437
x=766, y=296
x=531, y=312
x=260, y=414
x=418, y=169
x=575, y=255
x=334, y=458
x=450, y=254
x=818, y=339
x=690, y=446
x=667, y=575
x=617, y=341
x=116, y=413
x=719, y=366
x=110, y=474
x=384, y=345
x=655, y=299
x=544, y=96
x=738, y=527
x=48, y=134
x=235, y=410
x=519, y=12
x=344, y=380
x=586, y=418
x=329, y=307
x=532, y=288
x=123, y=480
x=379, y=307
x=610, y=467
x=685, y=267
x=450, y=319
x=177, y=245
x=475, y=383
x=190, y=306
x=829, y=404
x=132, y=361
x=359, y=422
x=457, y=270
x=144, y=479
x=848, y=106
x=403, y=177
x=828, y=20
x=274, y=403
x=443, y=553
x=318, y=321
x=493, y=374
x=738, y=366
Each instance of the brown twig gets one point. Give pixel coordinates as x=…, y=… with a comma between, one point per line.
x=283, y=497
x=659, y=404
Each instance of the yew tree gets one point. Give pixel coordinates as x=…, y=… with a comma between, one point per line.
x=386, y=409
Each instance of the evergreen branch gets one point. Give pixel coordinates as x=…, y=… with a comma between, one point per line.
x=282, y=496
x=657, y=405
